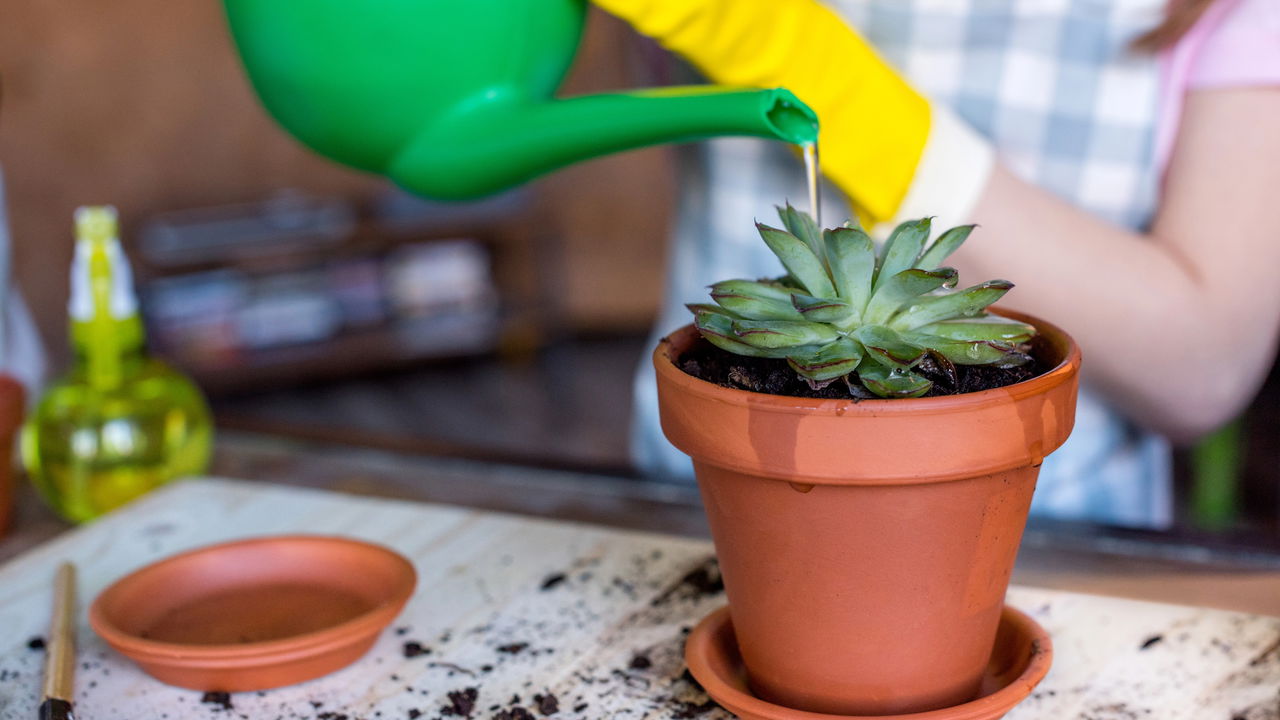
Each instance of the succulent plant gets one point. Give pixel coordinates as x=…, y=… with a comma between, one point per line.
x=845, y=310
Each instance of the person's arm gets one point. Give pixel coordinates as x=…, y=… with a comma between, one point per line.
x=1178, y=327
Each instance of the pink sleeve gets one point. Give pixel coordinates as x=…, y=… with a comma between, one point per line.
x=1235, y=43
x=1243, y=49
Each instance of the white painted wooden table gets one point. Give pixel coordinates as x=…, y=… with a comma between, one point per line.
x=496, y=616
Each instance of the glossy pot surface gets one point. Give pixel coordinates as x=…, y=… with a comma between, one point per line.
x=866, y=546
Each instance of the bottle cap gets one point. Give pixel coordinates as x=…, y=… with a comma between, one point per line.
x=103, y=307
x=100, y=260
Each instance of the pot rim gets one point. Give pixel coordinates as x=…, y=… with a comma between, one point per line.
x=665, y=353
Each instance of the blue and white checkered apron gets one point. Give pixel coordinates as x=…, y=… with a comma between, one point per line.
x=1054, y=87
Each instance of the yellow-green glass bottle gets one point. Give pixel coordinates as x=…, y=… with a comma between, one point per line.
x=120, y=423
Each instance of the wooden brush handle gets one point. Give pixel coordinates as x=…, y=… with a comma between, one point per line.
x=60, y=663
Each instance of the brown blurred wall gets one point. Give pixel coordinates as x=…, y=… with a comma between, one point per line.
x=143, y=104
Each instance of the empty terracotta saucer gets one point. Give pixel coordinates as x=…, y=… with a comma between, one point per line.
x=1022, y=655
x=254, y=614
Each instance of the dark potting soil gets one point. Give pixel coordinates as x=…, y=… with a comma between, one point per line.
x=515, y=713
x=547, y=704
x=413, y=649
x=775, y=377
x=702, y=581
x=221, y=699
x=462, y=703
x=553, y=580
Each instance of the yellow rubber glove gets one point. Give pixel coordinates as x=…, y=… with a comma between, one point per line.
x=874, y=126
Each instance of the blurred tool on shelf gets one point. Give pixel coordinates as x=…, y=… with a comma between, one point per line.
x=295, y=288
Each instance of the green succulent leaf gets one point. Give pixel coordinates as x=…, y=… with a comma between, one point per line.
x=823, y=310
x=971, y=352
x=755, y=300
x=947, y=243
x=717, y=328
x=902, y=249
x=772, y=334
x=827, y=363
x=991, y=327
x=803, y=226
x=904, y=287
x=697, y=308
x=852, y=257
x=965, y=303
x=888, y=347
x=799, y=260
x=892, y=383
x=847, y=311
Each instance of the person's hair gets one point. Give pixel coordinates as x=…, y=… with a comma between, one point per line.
x=1181, y=17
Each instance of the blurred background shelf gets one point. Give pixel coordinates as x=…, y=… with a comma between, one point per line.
x=297, y=288
x=569, y=406
x=153, y=142
x=297, y=254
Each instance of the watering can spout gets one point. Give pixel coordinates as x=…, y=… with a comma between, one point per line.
x=499, y=145
x=455, y=99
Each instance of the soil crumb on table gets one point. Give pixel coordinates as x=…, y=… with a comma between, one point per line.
x=462, y=703
x=553, y=580
x=702, y=581
x=221, y=699
x=547, y=704
x=413, y=649
x=686, y=710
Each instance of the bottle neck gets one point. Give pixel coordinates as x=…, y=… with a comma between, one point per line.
x=106, y=354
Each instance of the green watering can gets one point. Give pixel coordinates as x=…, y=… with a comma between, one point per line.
x=453, y=99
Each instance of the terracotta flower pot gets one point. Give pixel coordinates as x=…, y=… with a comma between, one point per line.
x=866, y=545
x=11, y=410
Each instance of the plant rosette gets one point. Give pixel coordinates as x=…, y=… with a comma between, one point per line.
x=866, y=544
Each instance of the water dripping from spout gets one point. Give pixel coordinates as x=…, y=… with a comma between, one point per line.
x=810, y=152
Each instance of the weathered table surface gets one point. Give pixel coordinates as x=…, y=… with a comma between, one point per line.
x=1159, y=566
x=524, y=610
